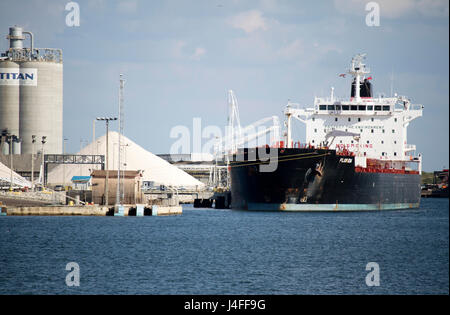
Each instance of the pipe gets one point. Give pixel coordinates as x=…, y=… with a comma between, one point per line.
x=31, y=40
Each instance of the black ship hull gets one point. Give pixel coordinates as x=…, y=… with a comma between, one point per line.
x=316, y=180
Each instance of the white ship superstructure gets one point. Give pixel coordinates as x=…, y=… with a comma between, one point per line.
x=368, y=127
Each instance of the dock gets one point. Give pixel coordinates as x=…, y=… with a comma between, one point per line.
x=129, y=210
x=51, y=203
x=217, y=199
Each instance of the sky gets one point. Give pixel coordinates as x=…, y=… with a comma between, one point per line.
x=180, y=57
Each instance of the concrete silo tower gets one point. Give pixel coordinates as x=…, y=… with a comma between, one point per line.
x=31, y=93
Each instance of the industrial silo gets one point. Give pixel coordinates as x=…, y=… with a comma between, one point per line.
x=37, y=84
x=9, y=102
x=41, y=108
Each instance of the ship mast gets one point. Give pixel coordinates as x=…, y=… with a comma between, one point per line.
x=120, y=187
x=288, y=114
x=358, y=71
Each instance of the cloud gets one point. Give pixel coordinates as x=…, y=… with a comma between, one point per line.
x=292, y=50
x=177, y=48
x=127, y=6
x=96, y=4
x=250, y=49
x=304, y=52
x=433, y=8
x=249, y=21
x=180, y=50
x=199, y=52
x=396, y=9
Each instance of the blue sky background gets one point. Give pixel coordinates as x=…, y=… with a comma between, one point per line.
x=180, y=58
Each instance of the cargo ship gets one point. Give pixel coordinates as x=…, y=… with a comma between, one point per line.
x=356, y=156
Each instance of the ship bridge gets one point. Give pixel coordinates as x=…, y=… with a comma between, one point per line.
x=366, y=106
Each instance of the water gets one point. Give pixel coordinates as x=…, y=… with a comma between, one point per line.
x=229, y=252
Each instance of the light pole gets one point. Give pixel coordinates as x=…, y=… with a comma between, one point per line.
x=11, y=138
x=106, y=119
x=121, y=120
x=33, y=141
x=43, y=141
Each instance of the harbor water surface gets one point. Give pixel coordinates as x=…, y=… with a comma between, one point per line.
x=230, y=252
